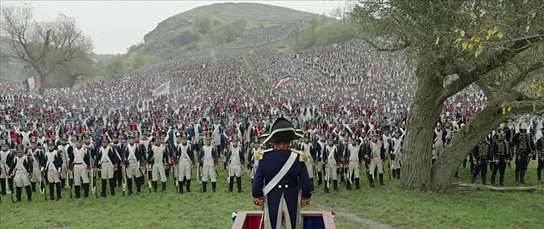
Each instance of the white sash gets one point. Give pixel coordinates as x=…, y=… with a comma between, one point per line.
x=280, y=174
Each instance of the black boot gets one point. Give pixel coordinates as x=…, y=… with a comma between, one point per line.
x=473, y=179
x=163, y=187
x=18, y=193
x=319, y=178
x=484, y=180
x=501, y=179
x=3, y=186
x=381, y=180
x=213, y=186
x=154, y=184
x=493, y=179
x=62, y=182
x=129, y=186
x=341, y=172
x=188, y=186
x=522, y=177
x=58, y=191
x=335, y=185
x=112, y=186
x=231, y=183
x=180, y=187
x=104, y=185
x=204, y=186
x=517, y=177
x=139, y=182
x=85, y=190
x=239, y=184
x=28, y=193
x=77, y=189
x=348, y=185
x=51, y=191
x=33, y=186
x=371, y=181
x=398, y=174
x=357, y=185
x=394, y=173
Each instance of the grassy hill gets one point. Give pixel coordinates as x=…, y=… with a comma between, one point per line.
x=220, y=23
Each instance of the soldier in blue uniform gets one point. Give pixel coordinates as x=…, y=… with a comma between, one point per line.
x=22, y=167
x=281, y=173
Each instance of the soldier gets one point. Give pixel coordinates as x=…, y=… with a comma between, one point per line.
x=501, y=156
x=439, y=140
x=90, y=146
x=107, y=161
x=396, y=153
x=134, y=159
x=276, y=186
x=80, y=161
x=235, y=163
x=331, y=160
x=53, y=165
x=65, y=149
x=207, y=158
x=308, y=148
x=22, y=166
x=524, y=148
x=186, y=161
x=158, y=159
x=320, y=150
x=376, y=155
x=479, y=158
x=354, y=156
x=6, y=159
x=251, y=156
x=540, y=152
x=37, y=156
x=117, y=145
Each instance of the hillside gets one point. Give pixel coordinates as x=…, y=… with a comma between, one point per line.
x=221, y=24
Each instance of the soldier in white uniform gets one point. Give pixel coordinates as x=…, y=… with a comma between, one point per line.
x=251, y=157
x=186, y=162
x=22, y=166
x=318, y=160
x=354, y=156
x=80, y=162
x=6, y=158
x=107, y=161
x=331, y=160
x=53, y=165
x=396, y=153
x=309, y=150
x=37, y=156
x=439, y=140
x=65, y=149
x=133, y=153
x=235, y=163
x=158, y=159
x=208, y=161
x=376, y=155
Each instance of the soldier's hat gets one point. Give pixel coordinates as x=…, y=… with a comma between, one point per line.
x=50, y=142
x=501, y=132
x=235, y=138
x=386, y=128
x=523, y=126
x=79, y=138
x=256, y=140
x=353, y=137
x=307, y=135
x=132, y=135
x=183, y=135
x=116, y=135
x=363, y=131
x=64, y=137
x=208, y=135
x=105, y=139
x=439, y=123
x=158, y=134
x=374, y=133
x=282, y=131
x=3, y=142
x=20, y=148
x=33, y=140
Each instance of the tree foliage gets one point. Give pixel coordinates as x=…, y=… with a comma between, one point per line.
x=114, y=66
x=229, y=32
x=495, y=44
x=45, y=46
x=203, y=23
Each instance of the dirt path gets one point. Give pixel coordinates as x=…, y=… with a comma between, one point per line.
x=367, y=222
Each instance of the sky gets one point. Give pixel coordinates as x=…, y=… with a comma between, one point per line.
x=114, y=26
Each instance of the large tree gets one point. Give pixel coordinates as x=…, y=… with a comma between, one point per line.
x=495, y=44
x=45, y=46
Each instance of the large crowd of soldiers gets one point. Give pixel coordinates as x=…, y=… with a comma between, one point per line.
x=120, y=155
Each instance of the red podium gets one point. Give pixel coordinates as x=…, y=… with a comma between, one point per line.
x=311, y=220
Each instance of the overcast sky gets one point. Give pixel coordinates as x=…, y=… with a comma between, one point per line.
x=116, y=25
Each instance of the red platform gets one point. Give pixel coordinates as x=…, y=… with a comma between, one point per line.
x=311, y=219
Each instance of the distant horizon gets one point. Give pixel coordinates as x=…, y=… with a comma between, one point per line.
x=95, y=18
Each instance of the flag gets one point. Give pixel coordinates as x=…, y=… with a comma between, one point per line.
x=162, y=90
x=33, y=82
x=204, y=66
x=283, y=81
x=371, y=72
x=297, y=55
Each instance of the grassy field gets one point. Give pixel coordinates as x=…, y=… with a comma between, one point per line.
x=384, y=205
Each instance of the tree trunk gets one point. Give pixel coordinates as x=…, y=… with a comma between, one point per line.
x=447, y=164
x=417, y=150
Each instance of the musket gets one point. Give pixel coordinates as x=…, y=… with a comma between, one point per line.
x=44, y=181
x=124, y=174
x=6, y=183
x=68, y=183
x=149, y=180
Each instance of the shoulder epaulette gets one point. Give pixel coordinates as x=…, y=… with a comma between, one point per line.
x=302, y=155
x=261, y=153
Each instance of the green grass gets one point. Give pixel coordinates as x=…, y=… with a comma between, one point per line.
x=464, y=208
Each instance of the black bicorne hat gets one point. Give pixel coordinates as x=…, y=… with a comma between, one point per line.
x=282, y=131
